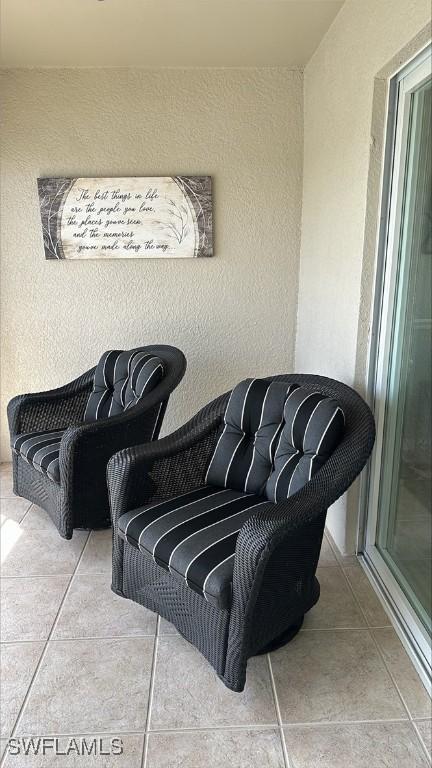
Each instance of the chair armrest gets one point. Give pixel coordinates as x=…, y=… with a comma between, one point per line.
x=154, y=471
x=267, y=529
x=54, y=409
x=167, y=467
x=263, y=533
x=275, y=535
x=274, y=576
x=99, y=440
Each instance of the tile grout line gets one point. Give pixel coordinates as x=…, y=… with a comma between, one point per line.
x=380, y=653
x=423, y=746
x=336, y=555
x=56, y=575
x=150, y=696
x=26, y=513
x=140, y=732
x=168, y=634
x=377, y=646
x=81, y=637
x=156, y=636
x=422, y=742
x=341, y=629
x=387, y=668
x=420, y=739
x=342, y=559
x=206, y=728
x=278, y=714
x=273, y=726
x=336, y=559
x=29, y=578
x=45, y=649
x=7, y=498
x=370, y=627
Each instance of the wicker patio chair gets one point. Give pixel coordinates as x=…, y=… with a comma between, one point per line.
x=251, y=594
x=62, y=439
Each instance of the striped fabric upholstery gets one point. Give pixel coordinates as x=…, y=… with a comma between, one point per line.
x=313, y=426
x=41, y=449
x=194, y=536
x=244, y=454
x=274, y=438
x=121, y=380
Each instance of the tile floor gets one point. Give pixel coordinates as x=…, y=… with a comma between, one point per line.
x=79, y=661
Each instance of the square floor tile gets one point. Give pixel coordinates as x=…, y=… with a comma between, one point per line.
x=13, y=508
x=424, y=727
x=97, y=557
x=37, y=519
x=368, y=599
x=216, y=749
x=94, y=751
x=91, y=609
x=86, y=686
x=404, y=673
x=326, y=557
x=336, y=606
x=18, y=663
x=368, y=745
x=45, y=553
x=333, y=675
x=29, y=606
x=187, y=692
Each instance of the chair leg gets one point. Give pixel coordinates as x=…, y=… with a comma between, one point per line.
x=282, y=639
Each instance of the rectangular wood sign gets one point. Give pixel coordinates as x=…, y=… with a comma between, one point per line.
x=124, y=218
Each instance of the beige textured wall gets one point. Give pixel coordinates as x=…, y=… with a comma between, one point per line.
x=338, y=86
x=234, y=314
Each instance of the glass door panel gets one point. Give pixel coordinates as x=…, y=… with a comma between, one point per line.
x=396, y=549
x=404, y=506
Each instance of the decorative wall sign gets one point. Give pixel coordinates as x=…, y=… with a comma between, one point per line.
x=120, y=218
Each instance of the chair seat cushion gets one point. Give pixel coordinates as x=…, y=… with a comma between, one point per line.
x=194, y=536
x=41, y=450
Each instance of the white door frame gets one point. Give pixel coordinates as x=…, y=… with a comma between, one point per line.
x=401, y=87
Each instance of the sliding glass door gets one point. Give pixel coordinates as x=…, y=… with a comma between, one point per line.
x=398, y=541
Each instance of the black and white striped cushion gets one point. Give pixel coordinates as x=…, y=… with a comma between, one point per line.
x=41, y=449
x=313, y=426
x=274, y=438
x=194, y=536
x=121, y=380
x=243, y=458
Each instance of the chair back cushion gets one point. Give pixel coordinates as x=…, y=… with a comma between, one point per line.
x=313, y=425
x=121, y=380
x=275, y=436
x=243, y=458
